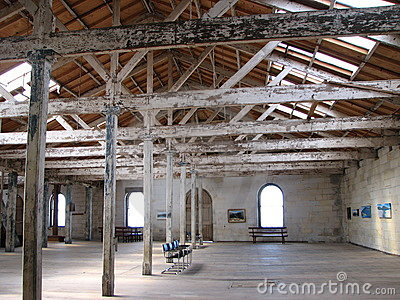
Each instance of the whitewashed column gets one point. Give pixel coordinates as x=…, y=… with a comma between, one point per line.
x=89, y=213
x=46, y=212
x=182, y=204
x=200, y=213
x=34, y=174
x=109, y=202
x=68, y=215
x=2, y=208
x=193, y=174
x=169, y=195
x=148, y=195
x=11, y=209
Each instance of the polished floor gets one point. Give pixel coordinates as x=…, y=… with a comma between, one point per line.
x=219, y=271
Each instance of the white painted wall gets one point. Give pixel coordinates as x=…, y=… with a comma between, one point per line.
x=376, y=181
x=312, y=206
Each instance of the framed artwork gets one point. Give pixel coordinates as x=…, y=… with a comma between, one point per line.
x=236, y=215
x=356, y=212
x=162, y=215
x=366, y=211
x=349, y=213
x=385, y=210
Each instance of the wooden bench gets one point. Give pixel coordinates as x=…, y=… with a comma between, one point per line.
x=261, y=232
x=175, y=251
x=126, y=234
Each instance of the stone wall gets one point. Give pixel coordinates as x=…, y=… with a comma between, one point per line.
x=312, y=206
x=375, y=181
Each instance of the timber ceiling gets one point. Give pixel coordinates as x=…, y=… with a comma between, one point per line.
x=78, y=78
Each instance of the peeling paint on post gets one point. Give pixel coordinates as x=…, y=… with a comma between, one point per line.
x=11, y=212
x=46, y=212
x=89, y=213
x=193, y=207
x=182, y=204
x=200, y=199
x=109, y=202
x=34, y=174
x=68, y=215
x=169, y=195
x=148, y=199
x=1, y=202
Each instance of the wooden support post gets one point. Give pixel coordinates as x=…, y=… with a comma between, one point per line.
x=89, y=213
x=200, y=212
x=109, y=202
x=182, y=204
x=11, y=211
x=1, y=204
x=148, y=195
x=68, y=215
x=169, y=195
x=193, y=207
x=45, y=212
x=56, y=192
x=34, y=174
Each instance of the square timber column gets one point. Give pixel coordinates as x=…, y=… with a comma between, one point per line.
x=109, y=201
x=11, y=211
x=148, y=199
x=68, y=215
x=182, y=203
x=46, y=212
x=34, y=174
x=169, y=195
x=193, y=218
x=89, y=213
x=200, y=209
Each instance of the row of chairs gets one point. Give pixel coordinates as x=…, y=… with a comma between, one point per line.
x=175, y=251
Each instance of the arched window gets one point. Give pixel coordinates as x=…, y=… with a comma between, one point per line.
x=135, y=209
x=60, y=210
x=270, y=202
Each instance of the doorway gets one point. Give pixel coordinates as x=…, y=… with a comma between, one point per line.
x=207, y=215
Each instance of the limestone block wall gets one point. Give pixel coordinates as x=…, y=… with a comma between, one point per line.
x=375, y=181
x=313, y=208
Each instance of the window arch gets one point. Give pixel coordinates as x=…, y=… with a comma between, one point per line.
x=135, y=209
x=270, y=206
x=60, y=210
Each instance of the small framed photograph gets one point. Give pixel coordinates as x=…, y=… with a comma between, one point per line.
x=385, y=210
x=236, y=215
x=162, y=215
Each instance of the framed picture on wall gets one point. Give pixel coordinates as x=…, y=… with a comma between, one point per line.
x=385, y=210
x=356, y=212
x=161, y=215
x=366, y=211
x=236, y=215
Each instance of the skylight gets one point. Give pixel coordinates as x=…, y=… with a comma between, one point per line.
x=364, y=3
x=336, y=62
x=19, y=79
x=359, y=41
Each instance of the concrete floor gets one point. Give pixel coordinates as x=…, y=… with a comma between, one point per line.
x=219, y=271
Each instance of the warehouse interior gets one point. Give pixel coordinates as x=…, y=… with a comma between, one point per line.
x=263, y=135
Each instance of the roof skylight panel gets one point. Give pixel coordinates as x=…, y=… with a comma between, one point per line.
x=364, y=3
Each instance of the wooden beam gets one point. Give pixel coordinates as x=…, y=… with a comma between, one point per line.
x=11, y=209
x=385, y=89
x=182, y=204
x=220, y=129
x=89, y=213
x=124, y=173
x=34, y=174
x=68, y=215
x=11, y=10
x=109, y=203
x=7, y=95
x=220, y=146
x=293, y=26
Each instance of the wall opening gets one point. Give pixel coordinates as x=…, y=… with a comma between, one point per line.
x=134, y=209
x=270, y=206
x=207, y=215
x=60, y=211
